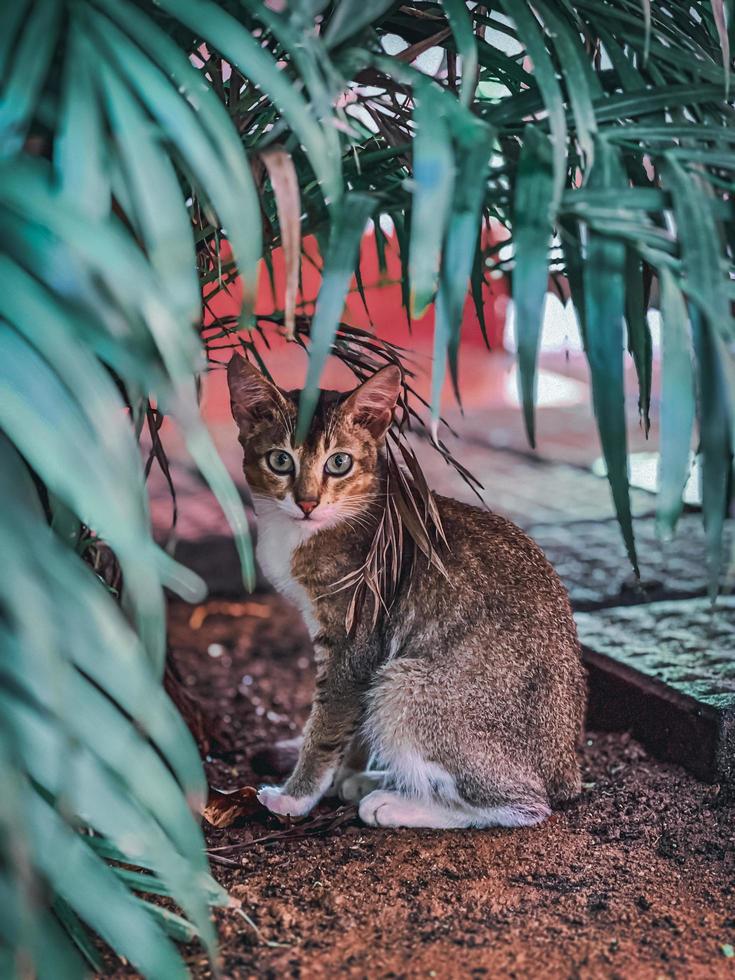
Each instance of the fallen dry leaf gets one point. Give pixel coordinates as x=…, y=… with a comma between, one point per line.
x=257, y=609
x=317, y=826
x=225, y=807
x=285, y=184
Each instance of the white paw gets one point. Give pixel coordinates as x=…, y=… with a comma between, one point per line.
x=284, y=805
x=381, y=808
x=356, y=786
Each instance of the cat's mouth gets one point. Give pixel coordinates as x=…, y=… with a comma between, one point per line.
x=310, y=520
x=317, y=520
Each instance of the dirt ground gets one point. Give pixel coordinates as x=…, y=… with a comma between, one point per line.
x=634, y=880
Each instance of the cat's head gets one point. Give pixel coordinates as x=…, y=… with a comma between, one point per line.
x=334, y=475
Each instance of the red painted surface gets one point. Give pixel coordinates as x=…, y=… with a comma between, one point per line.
x=382, y=313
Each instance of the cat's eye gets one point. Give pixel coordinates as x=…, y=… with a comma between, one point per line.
x=280, y=462
x=338, y=464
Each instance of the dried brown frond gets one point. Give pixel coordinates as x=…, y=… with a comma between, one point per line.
x=409, y=523
x=157, y=453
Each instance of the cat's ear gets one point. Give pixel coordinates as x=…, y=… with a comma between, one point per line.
x=252, y=396
x=372, y=404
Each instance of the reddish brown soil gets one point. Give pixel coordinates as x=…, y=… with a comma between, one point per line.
x=635, y=880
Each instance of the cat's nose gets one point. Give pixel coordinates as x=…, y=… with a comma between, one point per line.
x=307, y=506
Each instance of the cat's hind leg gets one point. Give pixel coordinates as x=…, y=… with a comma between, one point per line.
x=354, y=779
x=387, y=808
x=445, y=769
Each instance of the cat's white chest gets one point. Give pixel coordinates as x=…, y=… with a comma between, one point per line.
x=278, y=538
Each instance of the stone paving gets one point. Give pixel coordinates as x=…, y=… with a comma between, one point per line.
x=671, y=665
x=592, y=561
x=564, y=434
x=687, y=645
x=528, y=490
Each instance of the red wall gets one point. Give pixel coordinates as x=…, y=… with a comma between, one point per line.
x=383, y=297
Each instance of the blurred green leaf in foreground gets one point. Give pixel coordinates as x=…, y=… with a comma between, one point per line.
x=137, y=139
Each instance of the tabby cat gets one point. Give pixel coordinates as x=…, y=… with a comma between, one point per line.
x=468, y=696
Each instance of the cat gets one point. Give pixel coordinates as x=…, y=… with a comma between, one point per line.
x=469, y=694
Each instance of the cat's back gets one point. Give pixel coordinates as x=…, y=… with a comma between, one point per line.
x=489, y=552
x=498, y=584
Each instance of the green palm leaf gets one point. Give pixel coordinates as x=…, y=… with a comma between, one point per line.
x=461, y=24
x=21, y=85
x=604, y=297
x=83, y=177
x=474, y=147
x=532, y=230
x=339, y=266
x=545, y=75
x=103, y=256
x=256, y=63
x=433, y=188
x=677, y=404
x=47, y=707
x=170, y=88
x=96, y=895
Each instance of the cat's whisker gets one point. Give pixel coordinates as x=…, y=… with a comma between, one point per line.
x=351, y=511
x=355, y=521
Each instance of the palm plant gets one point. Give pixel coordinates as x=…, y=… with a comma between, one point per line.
x=136, y=137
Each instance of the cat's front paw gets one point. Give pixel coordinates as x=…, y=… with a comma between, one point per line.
x=280, y=803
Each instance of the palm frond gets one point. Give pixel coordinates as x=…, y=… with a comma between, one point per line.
x=597, y=134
